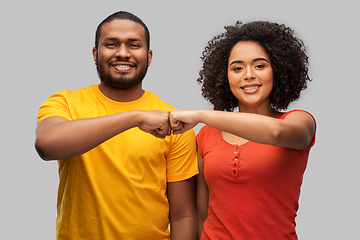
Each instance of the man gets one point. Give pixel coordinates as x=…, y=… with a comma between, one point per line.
x=117, y=181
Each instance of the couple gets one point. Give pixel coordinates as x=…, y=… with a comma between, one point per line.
x=239, y=178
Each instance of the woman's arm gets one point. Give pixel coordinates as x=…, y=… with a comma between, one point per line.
x=202, y=196
x=295, y=131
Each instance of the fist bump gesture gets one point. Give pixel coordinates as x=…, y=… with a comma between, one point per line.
x=182, y=120
x=160, y=123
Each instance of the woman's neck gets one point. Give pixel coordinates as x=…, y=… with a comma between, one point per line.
x=265, y=110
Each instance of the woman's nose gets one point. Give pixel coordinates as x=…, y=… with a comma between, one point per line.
x=249, y=73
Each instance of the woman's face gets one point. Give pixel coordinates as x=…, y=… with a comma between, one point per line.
x=250, y=74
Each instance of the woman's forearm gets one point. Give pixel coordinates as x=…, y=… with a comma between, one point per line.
x=253, y=127
x=295, y=131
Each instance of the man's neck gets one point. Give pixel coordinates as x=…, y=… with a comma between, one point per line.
x=122, y=95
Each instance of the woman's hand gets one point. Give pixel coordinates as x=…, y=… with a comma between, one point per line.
x=183, y=120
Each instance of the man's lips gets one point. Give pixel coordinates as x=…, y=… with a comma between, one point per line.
x=122, y=66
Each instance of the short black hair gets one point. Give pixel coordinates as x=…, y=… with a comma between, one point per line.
x=287, y=55
x=124, y=16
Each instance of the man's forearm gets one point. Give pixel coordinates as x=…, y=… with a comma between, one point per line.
x=60, y=139
x=184, y=229
x=57, y=138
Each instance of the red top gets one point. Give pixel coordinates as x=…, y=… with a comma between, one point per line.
x=253, y=188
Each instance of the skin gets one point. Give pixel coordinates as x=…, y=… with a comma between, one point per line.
x=251, y=77
x=248, y=66
x=123, y=55
x=202, y=196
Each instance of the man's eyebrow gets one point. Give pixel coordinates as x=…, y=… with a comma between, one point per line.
x=110, y=39
x=255, y=60
x=135, y=40
x=115, y=39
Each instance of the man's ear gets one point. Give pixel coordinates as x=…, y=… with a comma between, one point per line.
x=94, y=51
x=150, y=54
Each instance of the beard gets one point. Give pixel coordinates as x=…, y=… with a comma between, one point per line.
x=122, y=81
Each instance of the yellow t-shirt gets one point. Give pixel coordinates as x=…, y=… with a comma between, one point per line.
x=118, y=189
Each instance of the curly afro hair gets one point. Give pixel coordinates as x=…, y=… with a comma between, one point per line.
x=287, y=55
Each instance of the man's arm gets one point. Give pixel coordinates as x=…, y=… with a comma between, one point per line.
x=183, y=223
x=58, y=138
x=202, y=196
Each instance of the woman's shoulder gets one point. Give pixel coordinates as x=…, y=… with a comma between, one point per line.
x=294, y=112
x=206, y=129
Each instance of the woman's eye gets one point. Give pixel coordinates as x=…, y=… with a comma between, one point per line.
x=259, y=66
x=238, y=68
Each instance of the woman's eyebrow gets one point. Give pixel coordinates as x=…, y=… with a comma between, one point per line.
x=260, y=59
x=255, y=60
x=236, y=61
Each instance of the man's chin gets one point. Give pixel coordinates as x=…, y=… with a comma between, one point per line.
x=121, y=81
x=121, y=84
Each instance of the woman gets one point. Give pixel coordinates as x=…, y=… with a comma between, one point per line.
x=251, y=162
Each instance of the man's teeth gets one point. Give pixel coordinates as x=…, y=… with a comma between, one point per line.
x=123, y=66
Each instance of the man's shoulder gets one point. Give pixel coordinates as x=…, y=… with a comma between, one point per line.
x=69, y=93
x=74, y=95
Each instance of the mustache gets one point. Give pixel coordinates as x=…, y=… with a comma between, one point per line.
x=122, y=60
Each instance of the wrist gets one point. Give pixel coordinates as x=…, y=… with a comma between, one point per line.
x=201, y=116
x=138, y=116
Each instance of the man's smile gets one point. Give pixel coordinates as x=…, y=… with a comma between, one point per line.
x=123, y=66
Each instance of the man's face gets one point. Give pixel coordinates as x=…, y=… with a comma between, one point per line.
x=122, y=57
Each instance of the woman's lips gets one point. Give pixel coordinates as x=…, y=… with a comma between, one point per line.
x=250, y=88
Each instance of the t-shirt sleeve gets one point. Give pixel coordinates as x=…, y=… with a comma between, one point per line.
x=182, y=158
x=55, y=105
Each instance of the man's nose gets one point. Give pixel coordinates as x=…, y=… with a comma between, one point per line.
x=123, y=52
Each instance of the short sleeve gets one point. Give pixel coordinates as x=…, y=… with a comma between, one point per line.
x=55, y=105
x=182, y=157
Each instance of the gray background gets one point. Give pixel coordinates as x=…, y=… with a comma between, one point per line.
x=46, y=47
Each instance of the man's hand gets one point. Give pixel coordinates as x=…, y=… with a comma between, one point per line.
x=160, y=123
x=182, y=120
x=156, y=123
